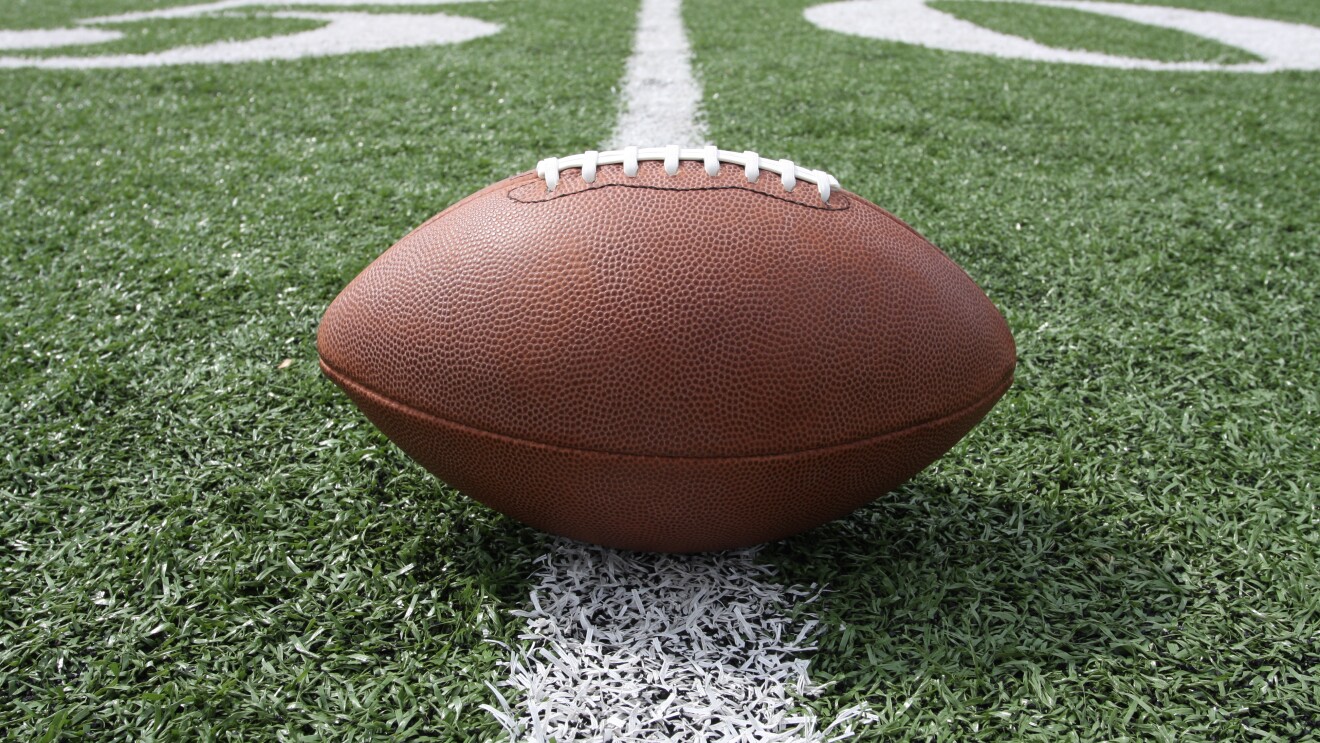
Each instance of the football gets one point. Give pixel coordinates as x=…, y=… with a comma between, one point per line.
x=668, y=349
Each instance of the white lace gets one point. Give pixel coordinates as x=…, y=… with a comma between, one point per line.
x=752, y=164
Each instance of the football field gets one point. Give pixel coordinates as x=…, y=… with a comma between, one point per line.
x=202, y=539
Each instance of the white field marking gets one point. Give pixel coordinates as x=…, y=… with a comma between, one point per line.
x=661, y=97
x=344, y=33
x=1282, y=46
x=188, y=11
x=625, y=646
x=47, y=38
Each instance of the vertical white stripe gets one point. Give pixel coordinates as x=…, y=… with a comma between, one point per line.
x=661, y=96
x=625, y=646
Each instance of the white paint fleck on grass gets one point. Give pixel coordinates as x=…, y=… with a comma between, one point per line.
x=1281, y=46
x=629, y=646
x=661, y=97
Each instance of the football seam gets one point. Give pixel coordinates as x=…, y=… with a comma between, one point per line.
x=828, y=207
x=344, y=380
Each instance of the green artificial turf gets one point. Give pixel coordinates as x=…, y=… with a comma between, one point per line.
x=1127, y=548
x=1074, y=29
x=202, y=539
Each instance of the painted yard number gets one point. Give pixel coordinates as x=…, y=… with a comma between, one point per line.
x=342, y=33
x=1280, y=45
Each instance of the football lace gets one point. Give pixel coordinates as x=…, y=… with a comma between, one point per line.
x=752, y=164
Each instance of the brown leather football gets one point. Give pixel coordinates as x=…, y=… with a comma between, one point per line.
x=671, y=350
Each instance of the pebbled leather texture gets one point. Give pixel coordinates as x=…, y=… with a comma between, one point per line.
x=677, y=363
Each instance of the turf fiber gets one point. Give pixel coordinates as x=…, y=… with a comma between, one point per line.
x=203, y=540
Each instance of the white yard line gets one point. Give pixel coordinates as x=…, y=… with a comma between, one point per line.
x=622, y=646
x=661, y=97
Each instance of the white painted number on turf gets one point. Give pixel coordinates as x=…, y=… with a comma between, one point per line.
x=343, y=33
x=1281, y=46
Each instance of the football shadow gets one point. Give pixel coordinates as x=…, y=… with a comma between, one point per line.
x=981, y=590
